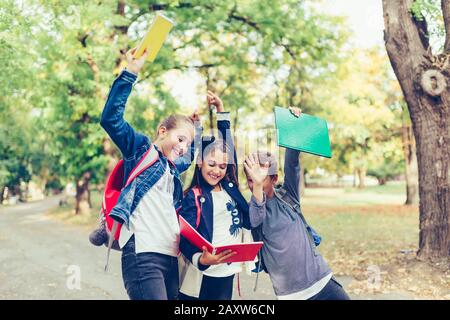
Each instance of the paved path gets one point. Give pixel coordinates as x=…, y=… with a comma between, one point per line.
x=40, y=258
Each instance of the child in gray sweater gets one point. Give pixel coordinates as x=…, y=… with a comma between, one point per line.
x=296, y=268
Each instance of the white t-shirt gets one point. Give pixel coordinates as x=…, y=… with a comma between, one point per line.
x=154, y=222
x=227, y=230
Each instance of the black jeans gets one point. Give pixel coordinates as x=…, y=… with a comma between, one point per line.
x=213, y=288
x=149, y=275
x=332, y=291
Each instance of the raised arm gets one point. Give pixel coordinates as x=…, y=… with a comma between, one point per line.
x=292, y=173
x=120, y=131
x=224, y=128
x=256, y=174
x=292, y=167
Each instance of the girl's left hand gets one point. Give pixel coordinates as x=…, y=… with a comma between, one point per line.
x=213, y=99
x=195, y=116
x=209, y=259
x=295, y=111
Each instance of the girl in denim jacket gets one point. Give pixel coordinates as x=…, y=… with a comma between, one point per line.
x=147, y=207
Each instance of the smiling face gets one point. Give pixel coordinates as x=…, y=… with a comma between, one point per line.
x=175, y=142
x=214, y=166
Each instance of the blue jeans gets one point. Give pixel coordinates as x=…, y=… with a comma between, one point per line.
x=149, y=275
x=332, y=291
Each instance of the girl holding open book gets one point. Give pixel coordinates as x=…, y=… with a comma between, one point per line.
x=213, y=205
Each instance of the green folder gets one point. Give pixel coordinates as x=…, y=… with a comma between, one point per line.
x=305, y=133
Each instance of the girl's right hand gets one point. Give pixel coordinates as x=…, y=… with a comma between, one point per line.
x=135, y=65
x=209, y=259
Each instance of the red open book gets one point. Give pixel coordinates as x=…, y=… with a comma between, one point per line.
x=245, y=251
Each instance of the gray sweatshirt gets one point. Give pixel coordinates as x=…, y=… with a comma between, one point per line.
x=291, y=259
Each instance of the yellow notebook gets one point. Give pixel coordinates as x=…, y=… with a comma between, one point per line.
x=155, y=36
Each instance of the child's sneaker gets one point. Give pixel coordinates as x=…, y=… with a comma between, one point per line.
x=99, y=236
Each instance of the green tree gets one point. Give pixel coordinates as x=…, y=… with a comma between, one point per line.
x=423, y=76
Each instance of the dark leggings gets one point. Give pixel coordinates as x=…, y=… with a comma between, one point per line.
x=332, y=291
x=213, y=288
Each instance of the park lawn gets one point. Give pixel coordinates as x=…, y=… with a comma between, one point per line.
x=362, y=231
x=371, y=229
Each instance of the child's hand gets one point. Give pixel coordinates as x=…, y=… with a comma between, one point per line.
x=135, y=65
x=255, y=171
x=195, y=116
x=295, y=111
x=213, y=259
x=213, y=99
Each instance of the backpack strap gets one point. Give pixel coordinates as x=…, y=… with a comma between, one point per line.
x=197, y=194
x=148, y=159
x=282, y=194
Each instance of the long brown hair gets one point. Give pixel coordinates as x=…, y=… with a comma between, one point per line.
x=208, y=145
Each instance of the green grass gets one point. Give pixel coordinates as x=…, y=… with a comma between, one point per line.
x=397, y=188
x=390, y=194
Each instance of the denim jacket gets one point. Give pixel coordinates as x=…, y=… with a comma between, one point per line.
x=133, y=146
x=189, y=208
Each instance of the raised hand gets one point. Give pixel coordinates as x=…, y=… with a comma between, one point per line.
x=214, y=100
x=295, y=111
x=195, y=116
x=135, y=65
x=254, y=170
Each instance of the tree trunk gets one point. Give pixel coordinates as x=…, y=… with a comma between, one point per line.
x=89, y=199
x=210, y=81
x=111, y=154
x=24, y=194
x=235, y=125
x=411, y=171
x=82, y=196
x=2, y=195
x=423, y=78
x=361, y=177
